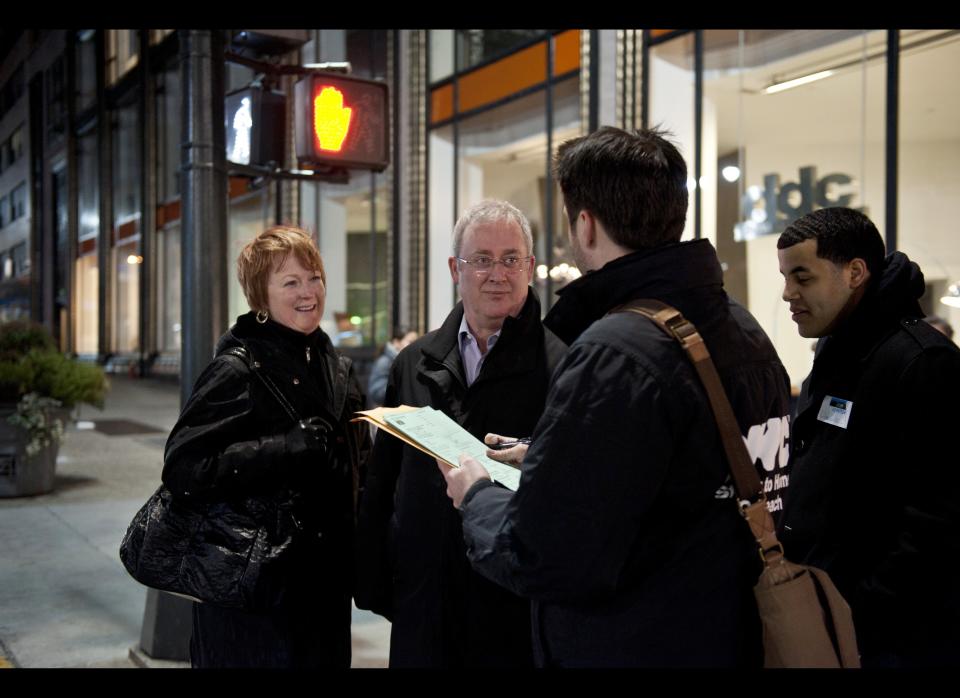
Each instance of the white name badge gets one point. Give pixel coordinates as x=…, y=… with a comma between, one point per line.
x=835, y=411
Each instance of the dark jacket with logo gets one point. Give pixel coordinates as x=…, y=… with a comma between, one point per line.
x=622, y=532
x=234, y=439
x=876, y=502
x=412, y=561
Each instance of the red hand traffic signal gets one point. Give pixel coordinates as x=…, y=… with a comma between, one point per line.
x=342, y=121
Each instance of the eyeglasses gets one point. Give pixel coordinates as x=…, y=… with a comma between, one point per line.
x=482, y=264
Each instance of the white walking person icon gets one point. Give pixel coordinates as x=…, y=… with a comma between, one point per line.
x=242, y=123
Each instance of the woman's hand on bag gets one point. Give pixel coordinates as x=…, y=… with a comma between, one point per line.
x=310, y=435
x=317, y=432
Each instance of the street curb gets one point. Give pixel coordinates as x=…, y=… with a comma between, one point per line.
x=7, y=660
x=142, y=661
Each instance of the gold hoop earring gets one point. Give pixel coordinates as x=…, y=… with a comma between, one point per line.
x=262, y=316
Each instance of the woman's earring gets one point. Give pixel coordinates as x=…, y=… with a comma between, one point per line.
x=262, y=316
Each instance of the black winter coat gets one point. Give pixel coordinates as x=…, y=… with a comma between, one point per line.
x=412, y=561
x=877, y=503
x=622, y=531
x=234, y=439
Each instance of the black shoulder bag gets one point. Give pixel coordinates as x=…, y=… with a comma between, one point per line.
x=233, y=553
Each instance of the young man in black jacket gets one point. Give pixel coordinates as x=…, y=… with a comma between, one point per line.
x=624, y=531
x=874, y=498
x=487, y=367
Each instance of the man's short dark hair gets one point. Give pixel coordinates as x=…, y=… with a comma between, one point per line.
x=399, y=332
x=635, y=184
x=842, y=234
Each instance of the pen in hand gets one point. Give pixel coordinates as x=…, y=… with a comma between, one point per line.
x=504, y=445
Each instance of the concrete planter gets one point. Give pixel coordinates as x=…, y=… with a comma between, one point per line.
x=22, y=475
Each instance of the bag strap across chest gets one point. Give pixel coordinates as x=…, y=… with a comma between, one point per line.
x=749, y=490
x=254, y=366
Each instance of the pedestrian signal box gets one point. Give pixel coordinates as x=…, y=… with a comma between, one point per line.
x=342, y=121
x=254, y=126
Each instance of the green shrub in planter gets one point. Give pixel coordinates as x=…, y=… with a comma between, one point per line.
x=38, y=379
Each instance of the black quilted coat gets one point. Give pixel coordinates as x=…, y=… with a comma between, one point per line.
x=234, y=439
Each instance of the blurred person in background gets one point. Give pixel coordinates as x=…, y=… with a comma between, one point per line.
x=377, y=385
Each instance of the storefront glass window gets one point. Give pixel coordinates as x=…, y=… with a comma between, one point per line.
x=126, y=224
x=793, y=121
x=88, y=186
x=168, y=312
x=168, y=105
x=672, y=83
x=61, y=252
x=168, y=289
x=126, y=327
x=366, y=311
x=86, y=273
x=441, y=54
x=441, y=219
x=123, y=46
x=475, y=46
x=560, y=267
x=86, y=317
x=85, y=77
x=249, y=215
x=928, y=206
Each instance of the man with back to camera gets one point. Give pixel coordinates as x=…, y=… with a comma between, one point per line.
x=488, y=368
x=874, y=499
x=624, y=531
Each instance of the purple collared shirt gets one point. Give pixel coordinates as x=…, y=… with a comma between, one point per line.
x=470, y=350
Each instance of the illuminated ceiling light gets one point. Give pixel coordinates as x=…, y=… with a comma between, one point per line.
x=953, y=296
x=355, y=319
x=731, y=173
x=340, y=66
x=541, y=271
x=134, y=259
x=331, y=120
x=796, y=82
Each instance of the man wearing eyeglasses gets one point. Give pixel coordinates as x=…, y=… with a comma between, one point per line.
x=487, y=367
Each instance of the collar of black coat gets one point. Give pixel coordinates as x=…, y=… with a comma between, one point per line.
x=516, y=350
x=282, y=338
x=890, y=297
x=686, y=275
x=275, y=345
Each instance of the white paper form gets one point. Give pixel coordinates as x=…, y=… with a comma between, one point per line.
x=437, y=432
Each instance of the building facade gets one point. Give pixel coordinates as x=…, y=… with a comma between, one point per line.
x=772, y=124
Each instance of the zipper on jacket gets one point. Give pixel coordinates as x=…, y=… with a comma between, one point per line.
x=308, y=354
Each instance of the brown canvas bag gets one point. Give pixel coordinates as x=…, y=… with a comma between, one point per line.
x=806, y=622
